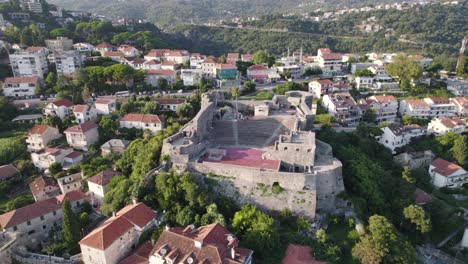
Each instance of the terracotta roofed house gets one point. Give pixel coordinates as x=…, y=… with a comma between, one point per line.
x=105, y=106
x=84, y=113
x=152, y=76
x=98, y=184
x=83, y=135
x=169, y=103
x=8, y=171
x=104, y=47
x=143, y=121
x=440, y=126
x=32, y=223
x=320, y=88
x=40, y=135
x=384, y=106
x=208, y=244
x=461, y=105
x=43, y=188
x=59, y=108
x=115, y=238
x=447, y=174
x=140, y=256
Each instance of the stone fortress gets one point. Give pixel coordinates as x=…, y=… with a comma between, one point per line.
x=251, y=156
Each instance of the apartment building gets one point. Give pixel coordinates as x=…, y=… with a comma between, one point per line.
x=30, y=62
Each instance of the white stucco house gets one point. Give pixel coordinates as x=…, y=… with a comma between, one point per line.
x=440, y=126
x=83, y=135
x=70, y=182
x=84, y=113
x=143, y=121
x=447, y=174
x=59, y=108
x=105, y=106
x=396, y=135
x=40, y=135
x=97, y=185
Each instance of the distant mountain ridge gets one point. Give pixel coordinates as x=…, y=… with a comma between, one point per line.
x=166, y=12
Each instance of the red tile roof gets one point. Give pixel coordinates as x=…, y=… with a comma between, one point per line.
x=34, y=49
x=417, y=103
x=179, y=244
x=167, y=63
x=444, y=167
x=461, y=101
x=38, y=185
x=105, y=45
x=81, y=128
x=131, y=215
x=63, y=102
x=104, y=101
x=332, y=56
x=384, y=98
x=421, y=197
x=325, y=50
x=104, y=177
x=37, y=209
x=140, y=256
x=7, y=171
x=161, y=72
x=152, y=62
x=298, y=254
x=80, y=108
x=21, y=80
x=142, y=118
x=113, y=54
x=325, y=82
x=38, y=129
x=257, y=68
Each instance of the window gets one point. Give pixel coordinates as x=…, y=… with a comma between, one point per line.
x=42, y=217
x=54, y=213
x=28, y=222
x=44, y=227
x=15, y=228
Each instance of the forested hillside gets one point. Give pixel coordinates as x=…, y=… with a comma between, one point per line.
x=166, y=12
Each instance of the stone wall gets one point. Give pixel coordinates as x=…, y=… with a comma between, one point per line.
x=291, y=181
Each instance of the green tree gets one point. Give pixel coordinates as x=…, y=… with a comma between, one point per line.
x=150, y=107
x=107, y=127
x=84, y=219
x=404, y=68
x=416, y=215
x=222, y=59
x=70, y=225
x=260, y=57
x=462, y=69
x=370, y=116
x=383, y=244
x=118, y=195
x=363, y=72
x=19, y=202
x=55, y=168
x=162, y=84
x=256, y=230
x=321, y=236
x=460, y=149
x=249, y=87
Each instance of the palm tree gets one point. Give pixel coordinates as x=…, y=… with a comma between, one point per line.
x=235, y=93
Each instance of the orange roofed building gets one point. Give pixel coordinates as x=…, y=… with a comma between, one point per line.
x=143, y=121
x=118, y=235
x=208, y=244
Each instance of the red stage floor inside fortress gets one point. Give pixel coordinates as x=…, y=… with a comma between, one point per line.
x=246, y=157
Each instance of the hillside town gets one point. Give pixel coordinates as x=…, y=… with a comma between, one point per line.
x=117, y=152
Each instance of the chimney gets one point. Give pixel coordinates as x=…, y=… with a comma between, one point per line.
x=233, y=253
x=134, y=200
x=152, y=242
x=114, y=214
x=167, y=227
